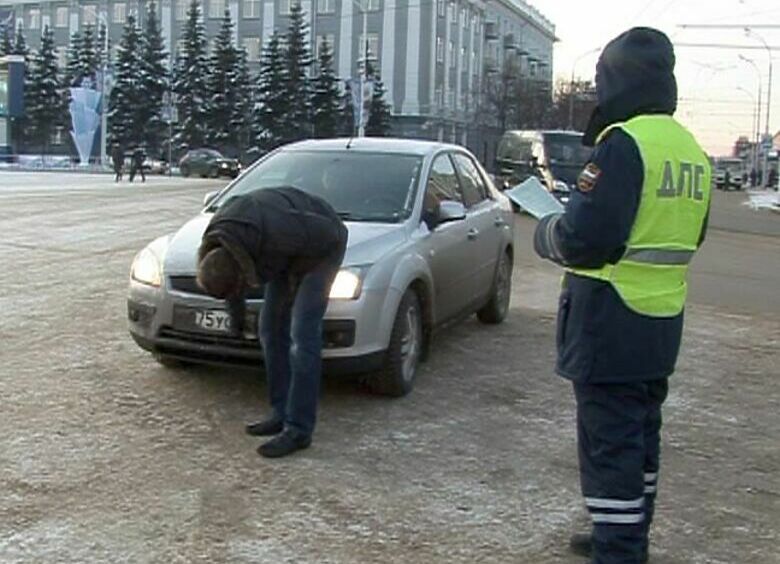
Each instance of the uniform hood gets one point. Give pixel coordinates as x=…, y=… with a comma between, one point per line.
x=634, y=75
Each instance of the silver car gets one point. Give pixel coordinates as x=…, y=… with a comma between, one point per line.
x=430, y=241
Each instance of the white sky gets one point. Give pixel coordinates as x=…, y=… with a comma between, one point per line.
x=711, y=104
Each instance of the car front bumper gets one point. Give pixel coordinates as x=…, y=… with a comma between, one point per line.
x=354, y=334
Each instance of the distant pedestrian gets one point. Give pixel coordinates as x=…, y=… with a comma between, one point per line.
x=118, y=160
x=753, y=176
x=137, y=165
x=772, y=178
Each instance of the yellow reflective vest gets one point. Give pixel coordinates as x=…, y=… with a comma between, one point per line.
x=651, y=276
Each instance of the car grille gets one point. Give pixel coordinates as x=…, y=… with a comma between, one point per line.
x=205, y=339
x=189, y=285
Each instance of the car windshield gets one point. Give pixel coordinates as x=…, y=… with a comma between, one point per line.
x=361, y=186
x=212, y=153
x=566, y=150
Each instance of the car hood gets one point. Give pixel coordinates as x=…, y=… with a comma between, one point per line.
x=367, y=243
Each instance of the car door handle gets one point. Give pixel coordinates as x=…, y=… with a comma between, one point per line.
x=499, y=222
x=473, y=234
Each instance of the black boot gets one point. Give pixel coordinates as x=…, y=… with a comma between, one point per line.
x=287, y=442
x=265, y=428
x=582, y=545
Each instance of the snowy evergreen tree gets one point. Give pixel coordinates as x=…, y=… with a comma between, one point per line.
x=73, y=68
x=346, y=113
x=6, y=44
x=241, y=120
x=153, y=82
x=103, y=47
x=222, y=82
x=379, y=118
x=88, y=55
x=127, y=95
x=297, y=124
x=20, y=43
x=43, y=95
x=325, y=96
x=272, y=101
x=191, y=82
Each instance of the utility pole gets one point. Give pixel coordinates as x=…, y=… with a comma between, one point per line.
x=757, y=138
x=571, y=84
x=751, y=33
x=363, y=71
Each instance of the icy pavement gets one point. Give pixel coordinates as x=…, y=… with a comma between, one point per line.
x=769, y=200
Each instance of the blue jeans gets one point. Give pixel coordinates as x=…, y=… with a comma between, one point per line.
x=291, y=334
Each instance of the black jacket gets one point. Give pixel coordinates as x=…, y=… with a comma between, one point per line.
x=277, y=232
x=599, y=339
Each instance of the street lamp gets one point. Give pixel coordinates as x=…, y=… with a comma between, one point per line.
x=104, y=100
x=757, y=138
x=363, y=7
x=751, y=33
x=571, y=84
x=755, y=127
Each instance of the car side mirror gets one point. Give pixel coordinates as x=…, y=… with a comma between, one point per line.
x=450, y=211
x=208, y=198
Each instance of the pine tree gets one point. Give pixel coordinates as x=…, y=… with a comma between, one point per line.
x=222, y=87
x=347, y=112
x=127, y=95
x=153, y=82
x=103, y=46
x=6, y=45
x=241, y=120
x=20, y=43
x=325, y=98
x=190, y=82
x=297, y=124
x=272, y=104
x=43, y=101
x=379, y=118
x=87, y=54
x=73, y=69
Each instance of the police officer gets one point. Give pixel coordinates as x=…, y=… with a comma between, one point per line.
x=626, y=237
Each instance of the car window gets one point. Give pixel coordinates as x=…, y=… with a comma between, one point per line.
x=474, y=189
x=442, y=184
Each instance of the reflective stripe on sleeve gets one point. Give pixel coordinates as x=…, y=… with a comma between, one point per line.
x=606, y=503
x=659, y=256
x=617, y=518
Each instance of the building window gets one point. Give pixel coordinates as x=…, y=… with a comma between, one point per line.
x=216, y=8
x=181, y=10
x=120, y=13
x=61, y=17
x=326, y=6
x=373, y=46
x=451, y=54
x=285, y=6
x=439, y=96
x=372, y=5
x=251, y=8
x=328, y=38
x=439, y=50
x=442, y=7
x=451, y=99
x=252, y=48
x=464, y=20
x=89, y=14
x=34, y=19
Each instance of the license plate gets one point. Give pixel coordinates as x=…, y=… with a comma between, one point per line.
x=215, y=320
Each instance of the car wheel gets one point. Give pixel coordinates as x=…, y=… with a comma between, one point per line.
x=214, y=172
x=402, y=358
x=185, y=170
x=496, y=309
x=169, y=361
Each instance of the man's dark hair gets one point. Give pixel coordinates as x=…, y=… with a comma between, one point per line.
x=219, y=274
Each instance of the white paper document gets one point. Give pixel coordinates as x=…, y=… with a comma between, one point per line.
x=534, y=198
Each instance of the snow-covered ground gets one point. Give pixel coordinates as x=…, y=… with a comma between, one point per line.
x=66, y=180
x=764, y=199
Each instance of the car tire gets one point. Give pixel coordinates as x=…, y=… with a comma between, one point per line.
x=214, y=172
x=169, y=361
x=402, y=358
x=185, y=171
x=497, y=307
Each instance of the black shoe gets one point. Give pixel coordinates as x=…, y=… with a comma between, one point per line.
x=265, y=428
x=582, y=545
x=283, y=444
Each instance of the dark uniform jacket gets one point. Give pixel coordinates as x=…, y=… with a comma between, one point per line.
x=599, y=339
x=276, y=232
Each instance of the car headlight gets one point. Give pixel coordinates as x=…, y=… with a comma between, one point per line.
x=347, y=284
x=561, y=186
x=147, y=267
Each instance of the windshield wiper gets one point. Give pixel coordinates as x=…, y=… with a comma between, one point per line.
x=380, y=218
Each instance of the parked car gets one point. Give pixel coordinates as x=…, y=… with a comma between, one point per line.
x=155, y=166
x=555, y=157
x=729, y=174
x=430, y=241
x=208, y=162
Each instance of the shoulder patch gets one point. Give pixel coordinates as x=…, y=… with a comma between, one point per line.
x=588, y=177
